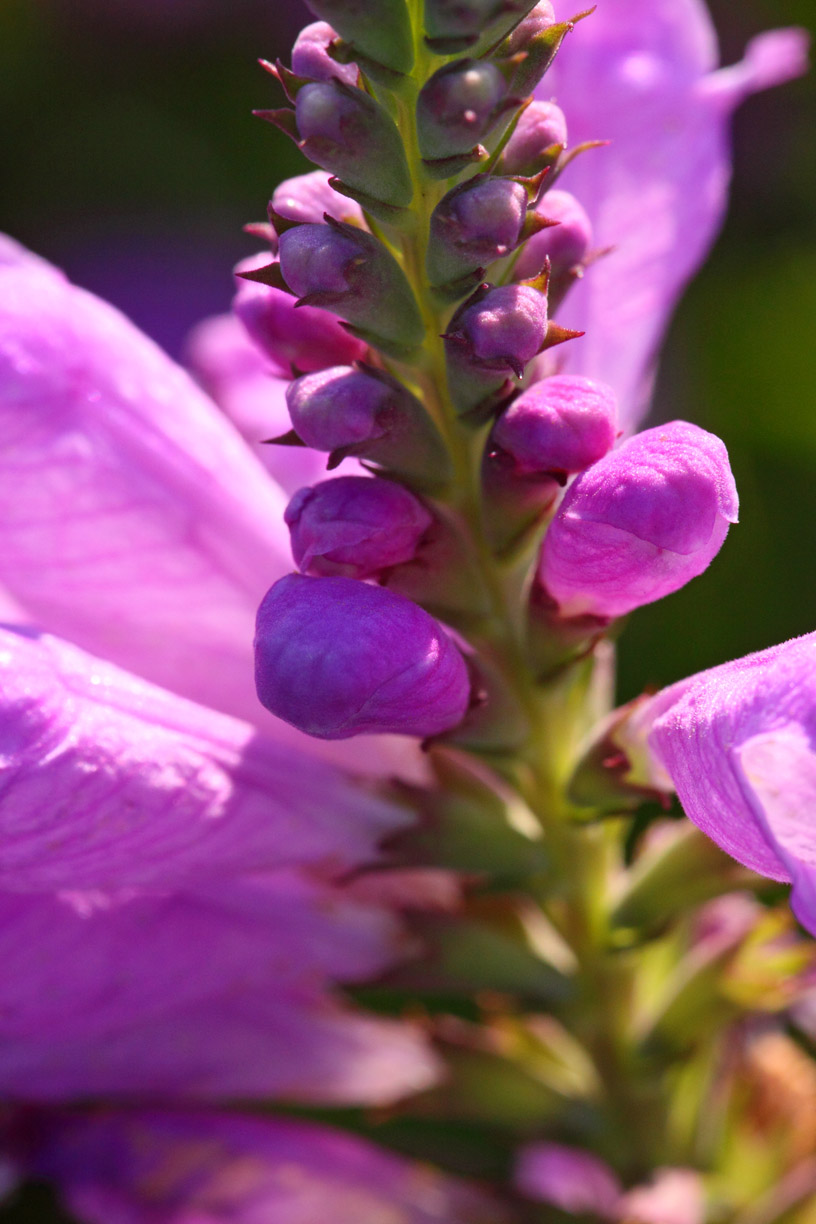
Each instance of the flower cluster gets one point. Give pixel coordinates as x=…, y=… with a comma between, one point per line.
x=192, y=869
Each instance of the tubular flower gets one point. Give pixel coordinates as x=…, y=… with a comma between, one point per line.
x=739, y=745
x=658, y=194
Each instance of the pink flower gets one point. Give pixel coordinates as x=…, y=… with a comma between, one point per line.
x=643, y=74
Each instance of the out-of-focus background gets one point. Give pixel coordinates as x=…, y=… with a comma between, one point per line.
x=128, y=155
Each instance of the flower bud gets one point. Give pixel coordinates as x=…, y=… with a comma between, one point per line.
x=354, y=526
x=565, y=243
x=559, y=426
x=311, y=59
x=343, y=130
x=367, y=413
x=541, y=126
x=475, y=224
x=641, y=523
x=337, y=658
x=306, y=338
x=533, y=44
x=308, y=197
x=457, y=107
x=453, y=25
x=495, y=333
x=344, y=269
x=381, y=29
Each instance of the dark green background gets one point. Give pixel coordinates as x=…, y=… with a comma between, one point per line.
x=128, y=155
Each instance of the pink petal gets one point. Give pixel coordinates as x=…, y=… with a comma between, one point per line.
x=110, y=783
x=134, y=520
x=208, y=1168
x=640, y=74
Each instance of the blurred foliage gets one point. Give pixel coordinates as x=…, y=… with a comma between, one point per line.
x=130, y=158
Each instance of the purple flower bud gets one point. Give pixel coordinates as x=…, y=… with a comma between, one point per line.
x=565, y=244
x=457, y=107
x=337, y=658
x=537, y=22
x=354, y=526
x=641, y=523
x=345, y=131
x=475, y=224
x=306, y=338
x=311, y=59
x=559, y=426
x=352, y=412
x=503, y=328
x=453, y=25
x=339, y=267
x=381, y=29
x=308, y=197
x=541, y=126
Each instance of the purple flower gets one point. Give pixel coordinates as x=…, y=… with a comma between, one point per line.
x=173, y=1167
x=643, y=74
x=739, y=744
x=137, y=524
x=641, y=523
x=310, y=57
x=308, y=197
x=338, y=658
x=355, y=526
x=566, y=243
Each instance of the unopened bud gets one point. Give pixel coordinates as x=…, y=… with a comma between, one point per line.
x=341, y=268
x=641, y=523
x=381, y=29
x=534, y=45
x=309, y=197
x=542, y=126
x=306, y=338
x=354, y=527
x=502, y=328
x=368, y=414
x=493, y=335
x=311, y=59
x=559, y=426
x=566, y=244
x=476, y=223
x=453, y=25
x=457, y=107
x=336, y=658
x=343, y=130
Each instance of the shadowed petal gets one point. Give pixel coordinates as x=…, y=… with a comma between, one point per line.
x=208, y=1168
x=110, y=783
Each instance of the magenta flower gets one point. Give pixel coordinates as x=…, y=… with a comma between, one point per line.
x=739, y=744
x=643, y=75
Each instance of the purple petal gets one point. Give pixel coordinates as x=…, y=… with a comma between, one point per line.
x=110, y=783
x=568, y=1178
x=640, y=74
x=209, y=1168
x=211, y=993
x=135, y=522
x=738, y=743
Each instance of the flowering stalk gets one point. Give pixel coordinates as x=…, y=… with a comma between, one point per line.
x=586, y=996
x=451, y=276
